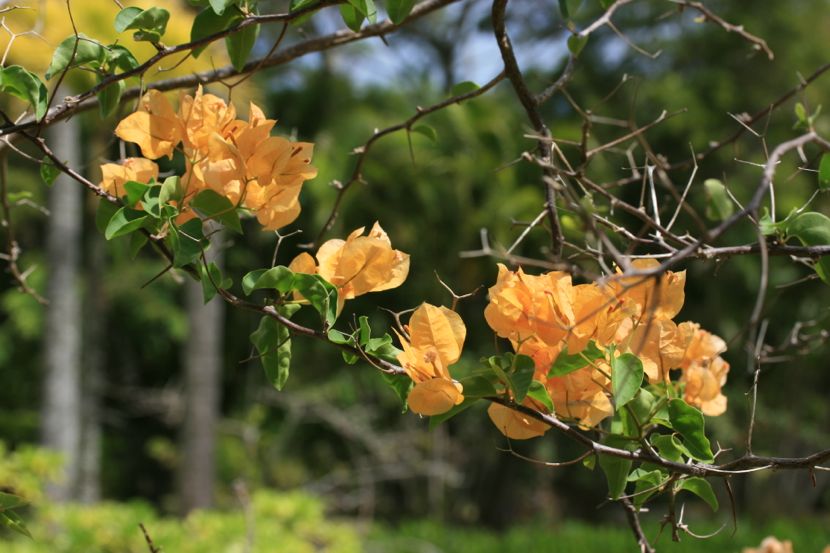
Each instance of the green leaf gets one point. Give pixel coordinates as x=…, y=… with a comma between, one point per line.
x=211, y=279
x=187, y=242
x=170, y=190
x=296, y=5
x=626, y=378
x=240, y=44
x=366, y=8
x=135, y=191
x=137, y=241
x=643, y=405
x=701, y=488
x=566, y=363
x=801, y=113
x=522, y=376
x=277, y=278
x=125, y=17
x=463, y=88
x=106, y=210
x=273, y=343
x=538, y=392
x=48, y=172
x=124, y=221
x=436, y=420
x=426, y=130
x=563, y=9
x=478, y=385
x=616, y=469
x=208, y=23
x=576, y=43
x=151, y=22
x=688, y=422
x=219, y=6
x=718, y=204
x=120, y=57
x=668, y=447
x=109, y=97
x=647, y=484
x=813, y=229
x=88, y=51
x=320, y=294
x=606, y=3
x=824, y=172
x=12, y=521
x=10, y=501
x=382, y=348
x=399, y=10
x=400, y=384
x=22, y=84
x=212, y=205
x=351, y=17
x=365, y=330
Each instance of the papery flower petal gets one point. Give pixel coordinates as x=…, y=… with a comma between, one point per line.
x=154, y=127
x=137, y=169
x=440, y=329
x=434, y=396
x=515, y=425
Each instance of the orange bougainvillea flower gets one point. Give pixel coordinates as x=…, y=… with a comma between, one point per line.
x=138, y=169
x=436, y=338
x=237, y=159
x=659, y=301
x=547, y=316
x=155, y=127
x=516, y=425
x=357, y=265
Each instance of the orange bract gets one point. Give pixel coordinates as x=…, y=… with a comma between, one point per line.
x=357, y=265
x=237, y=159
x=545, y=316
x=136, y=169
x=436, y=337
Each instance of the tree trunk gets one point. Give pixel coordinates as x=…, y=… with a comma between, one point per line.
x=61, y=430
x=203, y=379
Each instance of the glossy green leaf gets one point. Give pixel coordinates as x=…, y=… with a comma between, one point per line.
x=689, y=423
x=626, y=378
x=125, y=17
x=137, y=241
x=399, y=10
x=566, y=363
x=48, y=172
x=110, y=97
x=211, y=205
x=135, y=191
x=800, y=113
x=564, y=9
x=187, y=242
x=462, y=88
x=152, y=20
x=277, y=278
x=427, y=131
x=25, y=85
x=719, y=205
x=12, y=521
x=824, y=172
x=124, y=221
x=538, y=392
x=521, y=377
x=207, y=23
x=647, y=484
x=240, y=44
x=106, y=210
x=436, y=420
x=668, y=447
x=400, y=384
x=170, y=190
x=576, y=43
x=211, y=279
x=812, y=229
x=351, y=17
x=120, y=57
x=701, y=488
x=320, y=294
x=366, y=8
x=219, y=6
x=88, y=51
x=616, y=469
x=273, y=343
